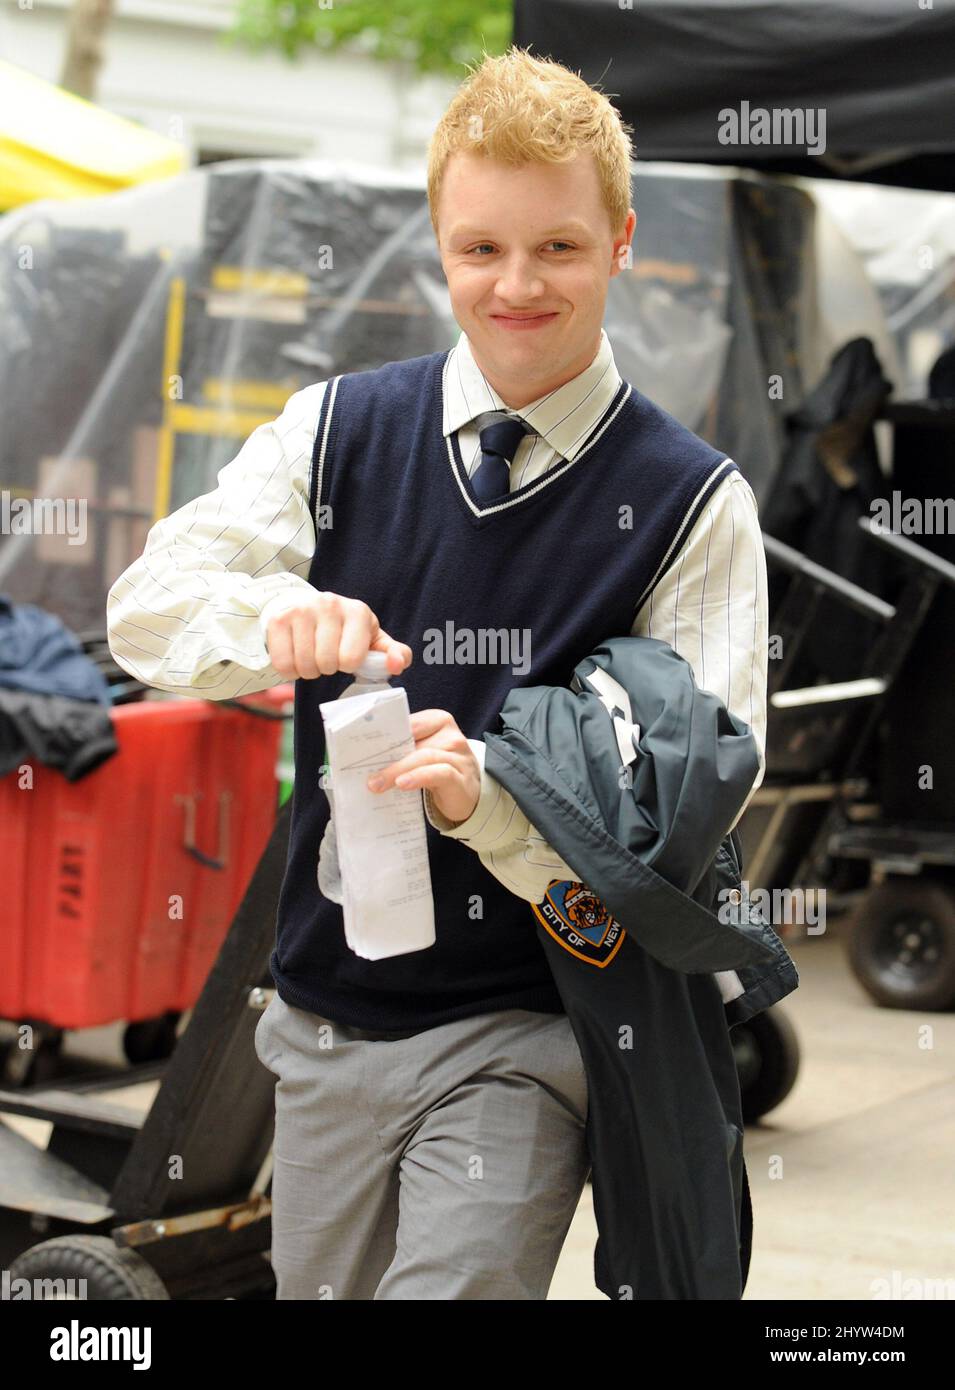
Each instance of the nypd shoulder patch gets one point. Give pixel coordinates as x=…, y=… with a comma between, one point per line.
x=573, y=915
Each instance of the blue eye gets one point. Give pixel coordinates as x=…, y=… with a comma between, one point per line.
x=483, y=244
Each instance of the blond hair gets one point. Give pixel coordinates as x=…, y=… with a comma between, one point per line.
x=518, y=108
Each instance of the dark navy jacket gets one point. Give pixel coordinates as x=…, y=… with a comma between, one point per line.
x=633, y=775
x=566, y=560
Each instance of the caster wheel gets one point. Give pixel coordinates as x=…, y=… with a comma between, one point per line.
x=110, y=1273
x=766, y=1050
x=902, y=944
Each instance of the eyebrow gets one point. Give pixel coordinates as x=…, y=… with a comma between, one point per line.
x=571, y=226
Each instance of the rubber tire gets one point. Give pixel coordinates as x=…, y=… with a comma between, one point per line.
x=776, y=1045
x=112, y=1273
x=873, y=917
x=31, y=1068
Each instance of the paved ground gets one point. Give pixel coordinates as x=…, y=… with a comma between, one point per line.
x=864, y=1142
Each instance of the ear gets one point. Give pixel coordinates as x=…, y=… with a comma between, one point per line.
x=622, y=251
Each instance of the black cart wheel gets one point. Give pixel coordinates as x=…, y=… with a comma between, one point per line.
x=150, y=1039
x=766, y=1050
x=902, y=944
x=111, y=1273
x=34, y=1065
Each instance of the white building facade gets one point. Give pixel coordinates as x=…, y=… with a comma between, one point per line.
x=171, y=65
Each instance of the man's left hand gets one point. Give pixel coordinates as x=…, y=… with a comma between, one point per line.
x=442, y=761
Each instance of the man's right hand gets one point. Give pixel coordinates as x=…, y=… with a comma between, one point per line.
x=327, y=633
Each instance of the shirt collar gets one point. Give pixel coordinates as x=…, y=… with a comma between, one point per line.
x=565, y=418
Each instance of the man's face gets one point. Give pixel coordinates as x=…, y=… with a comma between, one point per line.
x=534, y=240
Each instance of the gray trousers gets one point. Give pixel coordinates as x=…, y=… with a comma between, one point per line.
x=442, y=1164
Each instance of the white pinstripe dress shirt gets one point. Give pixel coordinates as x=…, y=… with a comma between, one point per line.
x=190, y=615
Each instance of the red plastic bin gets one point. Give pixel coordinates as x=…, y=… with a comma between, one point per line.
x=108, y=914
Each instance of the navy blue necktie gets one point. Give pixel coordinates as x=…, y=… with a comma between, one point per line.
x=499, y=441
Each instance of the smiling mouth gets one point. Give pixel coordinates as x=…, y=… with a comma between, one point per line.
x=522, y=322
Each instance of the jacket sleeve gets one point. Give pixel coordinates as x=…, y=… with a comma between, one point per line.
x=711, y=607
x=187, y=616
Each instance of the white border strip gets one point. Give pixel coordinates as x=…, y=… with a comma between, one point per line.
x=332, y=393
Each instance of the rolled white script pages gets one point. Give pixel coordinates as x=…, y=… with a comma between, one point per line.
x=381, y=836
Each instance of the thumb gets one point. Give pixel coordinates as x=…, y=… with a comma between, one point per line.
x=398, y=653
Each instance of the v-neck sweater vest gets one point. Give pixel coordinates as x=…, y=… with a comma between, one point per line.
x=535, y=582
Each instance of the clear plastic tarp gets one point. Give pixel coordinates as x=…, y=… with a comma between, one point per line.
x=905, y=240
x=147, y=333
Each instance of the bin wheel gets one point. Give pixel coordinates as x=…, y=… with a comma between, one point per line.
x=150, y=1039
x=27, y=1066
x=902, y=944
x=111, y=1273
x=766, y=1050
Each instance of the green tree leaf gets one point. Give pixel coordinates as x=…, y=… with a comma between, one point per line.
x=437, y=38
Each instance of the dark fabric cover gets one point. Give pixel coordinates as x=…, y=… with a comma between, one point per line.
x=54, y=701
x=73, y=736
x=881, y=70
x=829, y=477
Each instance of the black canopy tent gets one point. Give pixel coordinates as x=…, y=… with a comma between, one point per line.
x=881, y=72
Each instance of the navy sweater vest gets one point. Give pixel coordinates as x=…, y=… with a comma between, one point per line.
x=548, y=573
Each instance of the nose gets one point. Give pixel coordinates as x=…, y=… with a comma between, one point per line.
x=519, y=281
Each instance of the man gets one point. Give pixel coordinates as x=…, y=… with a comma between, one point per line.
x=431, y=1107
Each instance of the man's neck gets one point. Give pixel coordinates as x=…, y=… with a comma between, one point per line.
x=518, y=394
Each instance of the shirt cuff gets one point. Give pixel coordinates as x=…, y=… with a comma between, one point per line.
x=280, y=602
x=480, y=830
x=730, y=985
